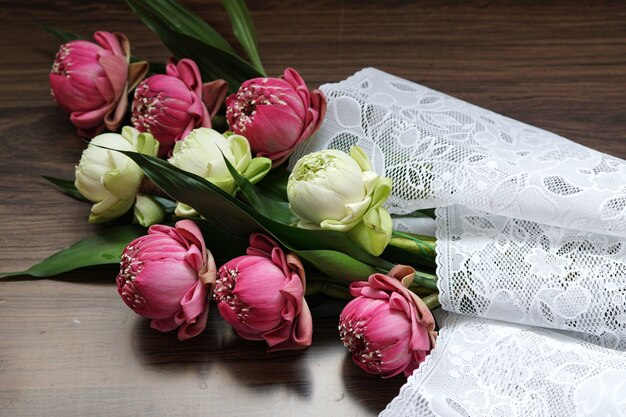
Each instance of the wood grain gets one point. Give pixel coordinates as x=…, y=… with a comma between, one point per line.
x=70, y=348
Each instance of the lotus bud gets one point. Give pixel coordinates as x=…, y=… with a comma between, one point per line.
x=275, y=114
x=332, y=190
x=261, y=295
x=387, y=328
x=91, y=81
x=167, y=276
x=202, y=153
x=110, y=179
x=171, y=105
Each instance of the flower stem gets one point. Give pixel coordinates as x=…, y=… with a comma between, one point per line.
x=426, y=280
x=419, y=245
x=432, y=301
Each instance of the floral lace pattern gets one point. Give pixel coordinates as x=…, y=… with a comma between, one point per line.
x=523, y=272
x=531, y=228
x=441, y=151
x=489, y=368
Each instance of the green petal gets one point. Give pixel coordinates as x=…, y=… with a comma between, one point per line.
x=361, y=158
x=112, y=212
x=124, y=182
x=241, y=150
x=226, y=184
x=147, y=211
x=147, y=144
x=381, y=192
x=257, y=169
x=374, y=232
x=183, y=210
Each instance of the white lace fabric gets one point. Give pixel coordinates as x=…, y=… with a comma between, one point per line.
x=489, y=368
x=441, y=151
x=519, y=271
x=531, y=229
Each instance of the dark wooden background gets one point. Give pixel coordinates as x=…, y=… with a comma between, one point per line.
x=69, y=347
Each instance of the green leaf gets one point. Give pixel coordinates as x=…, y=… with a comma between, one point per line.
x=67, y=187
x=223, y=245
x=168, y=205
x=337, y=265
x=183, y=34
x=244, y=31
x=103, y=248
x=63, y=35
x=274, y=185
x=218, y=207
x=277, y=210
x=176, y=17
x=247, y=189
x=418, y=214
x=236, y=217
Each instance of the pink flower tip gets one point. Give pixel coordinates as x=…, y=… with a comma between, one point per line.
x=167, y=276
x=261, y=295
x=387, y=328
x=171, y=105
x=91, y=80
x=275, y=114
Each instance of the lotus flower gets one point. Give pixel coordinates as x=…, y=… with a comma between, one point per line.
x=171, y=105
x=202, y=153
x=275, y=114
x=91, y=81
x=387, y=328
x=332, y=190
x=166, y=276
x=110, y=179
x=261, y=295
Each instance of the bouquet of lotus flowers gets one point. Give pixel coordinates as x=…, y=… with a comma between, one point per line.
x=219, y=184
x=186, y=165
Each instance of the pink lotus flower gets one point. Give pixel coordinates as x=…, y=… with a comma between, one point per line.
x=166, y=276
x=275, y=114
x=91, y=81
x=387, y=328
x=261, y=295
x=172, y=105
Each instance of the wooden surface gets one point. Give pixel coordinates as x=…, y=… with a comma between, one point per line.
x=69, y=347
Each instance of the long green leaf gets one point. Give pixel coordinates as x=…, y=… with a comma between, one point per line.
x=266, y=206
x=234, y=216
x=63, y=35
x=399, y=255
x=244, y=31
x=337, y=265
x=103, y=248
x=219, y=208
x=212, y=58
x=67, y=187
x=179, y=18
x=274, y=184
x=248, y=190
x=223, y=245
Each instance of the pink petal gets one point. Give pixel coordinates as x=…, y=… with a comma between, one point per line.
x=110, y=41
x=193, y=328
x=189, y=73
x=90, y=119
x=194, y=302
x=274, y=129
x=213, y=94
x=116, y=69
x=167, y=324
